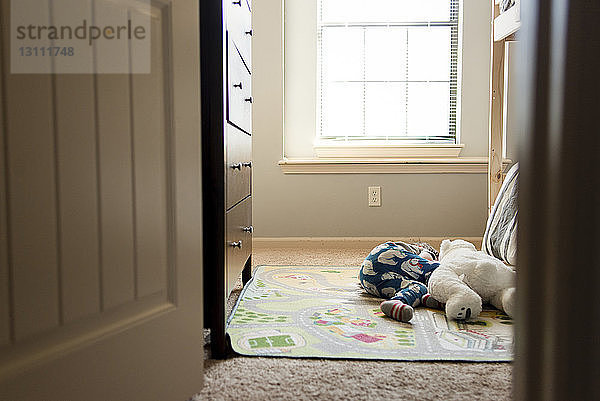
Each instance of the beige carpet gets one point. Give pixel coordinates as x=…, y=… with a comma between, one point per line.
x=251, y=378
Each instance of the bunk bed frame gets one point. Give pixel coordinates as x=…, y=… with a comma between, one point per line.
x=504, y=28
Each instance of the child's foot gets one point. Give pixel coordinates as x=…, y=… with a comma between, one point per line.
x=428, y=301
x=397, y=310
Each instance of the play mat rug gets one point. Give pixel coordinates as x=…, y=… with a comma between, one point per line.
x=322, y=312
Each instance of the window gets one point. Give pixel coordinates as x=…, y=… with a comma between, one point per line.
x=387, y=71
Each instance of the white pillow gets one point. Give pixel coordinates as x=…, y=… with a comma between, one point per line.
x=500, y=238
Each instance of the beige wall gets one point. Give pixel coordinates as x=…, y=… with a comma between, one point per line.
x=336, y=205
x=512, y=123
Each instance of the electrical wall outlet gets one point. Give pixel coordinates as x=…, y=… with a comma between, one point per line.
x=374, y=196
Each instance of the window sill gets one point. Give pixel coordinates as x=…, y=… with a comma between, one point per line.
x=456, y=165
x=349, y=150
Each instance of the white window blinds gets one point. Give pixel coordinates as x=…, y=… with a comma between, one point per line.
x=387, y=70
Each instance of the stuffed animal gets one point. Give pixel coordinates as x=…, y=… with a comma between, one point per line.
x=466, y=277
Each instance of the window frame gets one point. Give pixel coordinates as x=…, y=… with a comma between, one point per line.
x=362, y=148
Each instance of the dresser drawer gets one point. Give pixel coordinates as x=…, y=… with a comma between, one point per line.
x=239, y=28
x=239, y=165
x=239, y=241
x=239, y=91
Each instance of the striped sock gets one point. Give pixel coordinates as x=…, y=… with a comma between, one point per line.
x=397, y=310
x=428, y=301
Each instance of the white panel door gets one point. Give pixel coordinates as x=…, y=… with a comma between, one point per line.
x=100, y=222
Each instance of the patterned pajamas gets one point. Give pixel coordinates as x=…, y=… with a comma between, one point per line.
x=394, y=270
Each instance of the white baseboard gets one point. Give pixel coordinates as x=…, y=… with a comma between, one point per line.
x=264, y=243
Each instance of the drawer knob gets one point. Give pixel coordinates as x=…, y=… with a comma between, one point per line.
x=249, y=32
x=248, y=99
x=237, y=166
x=237, y=3
x=248, y=229
x=236, y=244
x=247, y=164
x=238, y=85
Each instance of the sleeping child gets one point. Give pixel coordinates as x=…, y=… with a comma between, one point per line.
x=399, y=272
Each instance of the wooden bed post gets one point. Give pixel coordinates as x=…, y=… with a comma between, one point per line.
x=495, y=139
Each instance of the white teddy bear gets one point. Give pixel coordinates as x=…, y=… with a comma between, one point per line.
x=467, y=277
